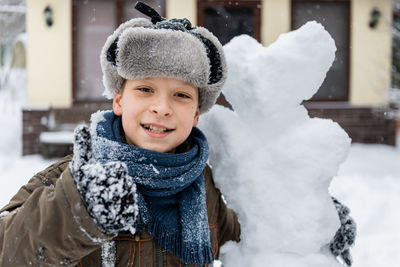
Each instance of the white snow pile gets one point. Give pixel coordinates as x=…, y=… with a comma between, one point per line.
x=272, y=161
x=15, y=171
x=12, y=98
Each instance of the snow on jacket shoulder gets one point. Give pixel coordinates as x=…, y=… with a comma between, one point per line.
x=46, y=224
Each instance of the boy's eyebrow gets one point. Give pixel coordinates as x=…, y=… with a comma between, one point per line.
x=184, y=84
x=143, y=82
x=186, y=87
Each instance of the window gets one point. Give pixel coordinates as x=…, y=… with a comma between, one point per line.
x=93, y=22
x=335, y=17
x=227, y=19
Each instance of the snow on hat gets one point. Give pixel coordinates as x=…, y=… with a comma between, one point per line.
x=172, y=48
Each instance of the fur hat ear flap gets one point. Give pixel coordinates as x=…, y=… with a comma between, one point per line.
x=112, y=52
x=215, y=61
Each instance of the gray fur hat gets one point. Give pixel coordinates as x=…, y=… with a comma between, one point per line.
x=140, y=48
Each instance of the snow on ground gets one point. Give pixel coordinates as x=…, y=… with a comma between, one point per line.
x=369, y=183
x=15, y=171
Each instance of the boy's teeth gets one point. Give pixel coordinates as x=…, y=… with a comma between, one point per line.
x=155, y=129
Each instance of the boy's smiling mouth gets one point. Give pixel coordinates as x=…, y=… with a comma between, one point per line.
x=156, y=129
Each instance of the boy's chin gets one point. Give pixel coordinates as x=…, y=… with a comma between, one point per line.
x=159, y=148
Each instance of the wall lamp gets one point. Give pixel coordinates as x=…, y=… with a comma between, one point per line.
x=48, y=16
x=375, y=16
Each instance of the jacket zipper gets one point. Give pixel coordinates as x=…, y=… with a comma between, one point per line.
x=159, y=257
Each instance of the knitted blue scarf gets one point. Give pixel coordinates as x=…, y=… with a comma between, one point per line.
x=170, y=188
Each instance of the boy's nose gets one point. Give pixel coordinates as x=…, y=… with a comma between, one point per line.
x=161, y=107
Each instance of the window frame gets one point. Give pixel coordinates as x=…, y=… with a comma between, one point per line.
x=253, y=4
x=346, y=98
x=75, y=83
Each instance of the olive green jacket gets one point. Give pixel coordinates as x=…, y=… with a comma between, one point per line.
x=46, y=224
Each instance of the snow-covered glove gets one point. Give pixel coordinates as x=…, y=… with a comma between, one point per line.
x=345, y=236
x=107, y=190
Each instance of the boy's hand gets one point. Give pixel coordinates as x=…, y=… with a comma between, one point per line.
x=107, y=190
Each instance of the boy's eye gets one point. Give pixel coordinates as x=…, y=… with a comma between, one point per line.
x=182, y=95
x=145, y=89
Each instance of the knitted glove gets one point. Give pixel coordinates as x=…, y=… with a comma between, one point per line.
x=345, y=236
x=107, y=191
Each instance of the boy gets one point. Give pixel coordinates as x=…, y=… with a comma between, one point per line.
x=137, y=190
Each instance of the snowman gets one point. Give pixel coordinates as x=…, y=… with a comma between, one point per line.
x=274, y=163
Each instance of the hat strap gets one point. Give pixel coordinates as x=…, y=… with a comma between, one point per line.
x=149, y=11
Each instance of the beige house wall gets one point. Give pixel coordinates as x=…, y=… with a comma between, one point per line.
x=182, y=9
x=370, y=65
x=49, y=54
x=275, y=19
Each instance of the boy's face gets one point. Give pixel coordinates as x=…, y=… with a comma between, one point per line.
x=157, y=113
